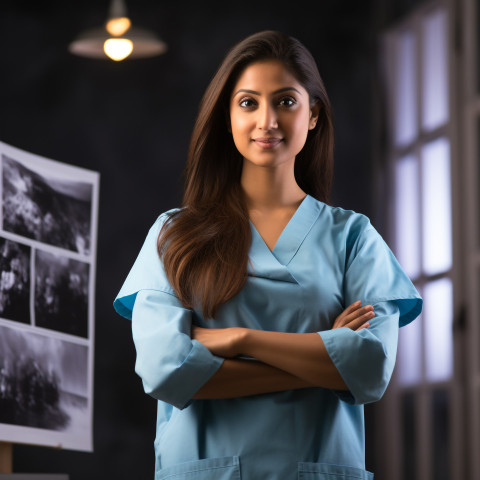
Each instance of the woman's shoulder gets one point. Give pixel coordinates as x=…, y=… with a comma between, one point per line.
x=351, y=220
x=164, y=217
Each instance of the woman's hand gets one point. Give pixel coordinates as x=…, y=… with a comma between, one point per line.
x=223, y=342
x=355, y=317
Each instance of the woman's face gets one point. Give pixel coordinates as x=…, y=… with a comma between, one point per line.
x=270, y=114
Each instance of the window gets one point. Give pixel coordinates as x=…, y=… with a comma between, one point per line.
x=420, y=158
x=416, y=63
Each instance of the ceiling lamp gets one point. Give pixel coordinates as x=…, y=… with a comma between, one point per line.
x=117, y=39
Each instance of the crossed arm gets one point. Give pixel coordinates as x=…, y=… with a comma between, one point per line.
x=280, y=361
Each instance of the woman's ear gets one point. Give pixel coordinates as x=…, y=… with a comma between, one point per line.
x=314, y=113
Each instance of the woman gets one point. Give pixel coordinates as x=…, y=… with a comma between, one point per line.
x=262, y=317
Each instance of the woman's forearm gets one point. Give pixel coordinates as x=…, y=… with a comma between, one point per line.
x=302, y=355
x=240, y=378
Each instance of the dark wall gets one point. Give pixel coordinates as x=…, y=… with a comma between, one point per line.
x=131, y=121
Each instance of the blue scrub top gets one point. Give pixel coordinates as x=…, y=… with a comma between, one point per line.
x=325, y=259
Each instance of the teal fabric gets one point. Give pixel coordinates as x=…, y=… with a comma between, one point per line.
x=325, y=259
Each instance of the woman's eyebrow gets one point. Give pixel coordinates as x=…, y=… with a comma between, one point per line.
x=280, y=90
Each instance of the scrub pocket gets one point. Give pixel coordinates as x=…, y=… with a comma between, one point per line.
x=225, y=468
x=325, y=471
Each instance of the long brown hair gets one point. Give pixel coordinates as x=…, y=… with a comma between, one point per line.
x=204, y=245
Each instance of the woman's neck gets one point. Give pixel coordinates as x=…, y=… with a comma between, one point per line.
x=270, y=188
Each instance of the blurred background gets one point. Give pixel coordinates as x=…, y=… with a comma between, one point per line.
x=402, y=80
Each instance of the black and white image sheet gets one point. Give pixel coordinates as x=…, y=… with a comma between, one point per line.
x=48, y=232
x=45, y=208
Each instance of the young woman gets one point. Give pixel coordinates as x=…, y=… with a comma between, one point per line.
x=263, y=318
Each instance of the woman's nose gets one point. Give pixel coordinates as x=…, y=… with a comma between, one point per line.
x=267, y=117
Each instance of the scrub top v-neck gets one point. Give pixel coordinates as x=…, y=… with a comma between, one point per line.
x=325, y=259
x=291, y=236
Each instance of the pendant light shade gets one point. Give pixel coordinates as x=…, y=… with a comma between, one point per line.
x=118, y=39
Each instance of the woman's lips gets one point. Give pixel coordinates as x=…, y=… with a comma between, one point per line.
x=267, y=142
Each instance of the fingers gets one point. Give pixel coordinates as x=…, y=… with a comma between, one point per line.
x=365, y=325
x=351, y=308
x=359, y=317
x=355, y=316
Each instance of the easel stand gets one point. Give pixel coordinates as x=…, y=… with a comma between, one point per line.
x=6, y=465
x=6, y=454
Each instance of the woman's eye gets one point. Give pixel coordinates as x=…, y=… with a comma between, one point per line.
x=247, y=102
x=287, y=102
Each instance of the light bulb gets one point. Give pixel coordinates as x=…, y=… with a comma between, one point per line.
x=118, y=26
x=118, y=48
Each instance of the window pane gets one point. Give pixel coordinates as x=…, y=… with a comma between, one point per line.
x=409, y=363
x=434, y=70
x=407, y=242
x=437, y=229
x=440, y=422
x=405, y=89
x=437, y=316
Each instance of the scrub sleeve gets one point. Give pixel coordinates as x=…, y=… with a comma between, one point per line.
x=171, y=365
x=372, y=273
